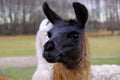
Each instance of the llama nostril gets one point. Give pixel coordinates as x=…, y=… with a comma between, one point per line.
x=49, y=46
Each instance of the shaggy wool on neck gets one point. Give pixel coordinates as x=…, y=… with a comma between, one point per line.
x=82, y=73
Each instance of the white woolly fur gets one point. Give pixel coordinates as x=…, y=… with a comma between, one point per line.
x=45, y=70
x=105, y=72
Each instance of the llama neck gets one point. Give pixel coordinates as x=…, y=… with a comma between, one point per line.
x=61, y=72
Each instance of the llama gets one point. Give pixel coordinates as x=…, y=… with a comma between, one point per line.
x=67, y=45
x=58, y=70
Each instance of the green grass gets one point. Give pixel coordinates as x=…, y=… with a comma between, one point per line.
x=105, y=46
x=18, y=73
x=17, y=46
x=106, y=61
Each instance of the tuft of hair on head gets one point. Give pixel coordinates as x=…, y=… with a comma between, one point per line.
x=45, y=25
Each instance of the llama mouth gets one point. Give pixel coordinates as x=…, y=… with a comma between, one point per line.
x=52, y=60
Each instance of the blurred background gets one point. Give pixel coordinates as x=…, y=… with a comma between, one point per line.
x=19, y=22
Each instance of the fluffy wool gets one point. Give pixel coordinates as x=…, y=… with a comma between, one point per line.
x=105, y=72
x=45, y=70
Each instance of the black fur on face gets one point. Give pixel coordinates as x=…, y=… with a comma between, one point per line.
x=66, y=37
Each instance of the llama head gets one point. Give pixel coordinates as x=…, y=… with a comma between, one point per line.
x=65, y=44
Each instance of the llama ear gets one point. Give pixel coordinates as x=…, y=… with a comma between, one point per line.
x=50, y=14
x=81, y=13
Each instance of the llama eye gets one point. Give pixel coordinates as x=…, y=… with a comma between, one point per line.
x=49, y=35
x=73, y=35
